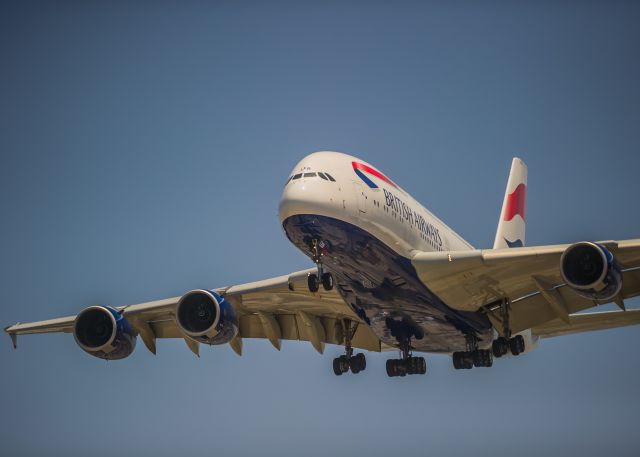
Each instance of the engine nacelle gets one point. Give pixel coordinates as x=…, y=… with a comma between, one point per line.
x=591, y=270
x=206, y=317
x=104, y=333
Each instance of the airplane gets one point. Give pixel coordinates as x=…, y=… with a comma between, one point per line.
x=388, y=275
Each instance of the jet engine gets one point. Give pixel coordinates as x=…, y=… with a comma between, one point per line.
x=206, y=317
x=591, y=270
x=103, y=332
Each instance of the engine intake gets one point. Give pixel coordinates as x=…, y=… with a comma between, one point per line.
x=103, y=332
x=591, y=270
x=205, y=316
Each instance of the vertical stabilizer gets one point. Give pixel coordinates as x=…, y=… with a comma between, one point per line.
x=511, y=226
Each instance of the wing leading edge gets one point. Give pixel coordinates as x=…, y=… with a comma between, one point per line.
x=280, y=308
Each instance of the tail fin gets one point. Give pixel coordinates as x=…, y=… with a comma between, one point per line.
x=511, y=227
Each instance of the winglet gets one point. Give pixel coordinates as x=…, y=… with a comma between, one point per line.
x=511, y=227
x=13, y=335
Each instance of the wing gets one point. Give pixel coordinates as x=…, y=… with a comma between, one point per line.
x=277, y=309
x=587, y=322
x=528, y=277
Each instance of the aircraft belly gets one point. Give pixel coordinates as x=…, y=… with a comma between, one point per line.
x=383, y=289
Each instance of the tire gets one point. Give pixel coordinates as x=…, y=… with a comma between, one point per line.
x=391, y=371
x=327, y=281
x=514, y=346
x=312, y=282
x=457, y=360
x=412, y=365
x=357, y=363
x=488, y=358
x=497, y=347
x=467, y=360
x=422, y=365
x=504, y=346
x=520, y=342
x=337, y=367
x=477, y=358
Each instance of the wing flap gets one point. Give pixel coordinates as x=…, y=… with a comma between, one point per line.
x=291, y=327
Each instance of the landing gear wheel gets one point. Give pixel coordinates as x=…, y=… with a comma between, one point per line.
x=327, y=281
x=457, y=360
x=465, y=360
x=500, y=347
x=313, y=283
x=482, y=358
x=416, y=365
x=390, y=366
x=362, y=361
x=396, y=367
x=341, y=365
x=357, y=363
x=516, y=344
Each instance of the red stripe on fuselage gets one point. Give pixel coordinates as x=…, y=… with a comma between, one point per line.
x=516, y=203
x=376, y=173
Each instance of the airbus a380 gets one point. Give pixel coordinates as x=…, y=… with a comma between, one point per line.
x=388, y=275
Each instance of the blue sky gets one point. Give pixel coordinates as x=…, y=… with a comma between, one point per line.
x=144, y=148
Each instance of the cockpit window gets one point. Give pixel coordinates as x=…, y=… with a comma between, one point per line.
x=312, y=174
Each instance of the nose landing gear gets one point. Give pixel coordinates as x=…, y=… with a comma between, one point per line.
x=319, y=249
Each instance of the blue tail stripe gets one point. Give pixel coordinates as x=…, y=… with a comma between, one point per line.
x=514, y=244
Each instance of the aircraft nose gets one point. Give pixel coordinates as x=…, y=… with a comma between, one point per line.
x=294, y=197
x=306, y=195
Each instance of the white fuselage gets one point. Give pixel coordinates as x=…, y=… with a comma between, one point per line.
x=386, y=211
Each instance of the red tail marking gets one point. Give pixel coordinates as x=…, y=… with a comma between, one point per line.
x=516, y=203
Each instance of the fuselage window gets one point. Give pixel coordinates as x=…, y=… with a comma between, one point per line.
x=322, y=175
x=329, y=176
x=298, y=176
x=309, y=175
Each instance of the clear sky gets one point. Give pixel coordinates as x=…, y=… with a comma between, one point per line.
x=144, y=147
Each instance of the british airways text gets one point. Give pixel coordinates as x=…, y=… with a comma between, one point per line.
x=412, y=217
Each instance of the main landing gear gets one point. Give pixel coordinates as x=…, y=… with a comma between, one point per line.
x=472, y=357
x=318, y=250
x=504, y=344
x=348, y=361
x=407, y=364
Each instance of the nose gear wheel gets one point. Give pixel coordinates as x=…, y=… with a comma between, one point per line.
x=318, y=250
